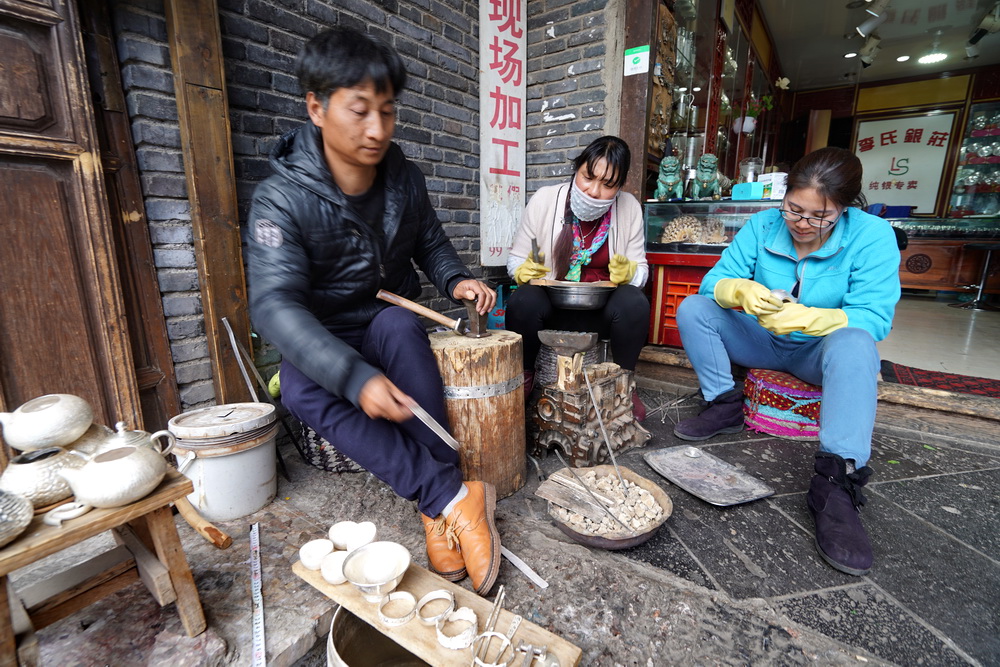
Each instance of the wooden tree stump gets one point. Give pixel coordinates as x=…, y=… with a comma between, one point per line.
x=483, y=379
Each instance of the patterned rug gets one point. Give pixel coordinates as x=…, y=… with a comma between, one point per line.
x=918, y=377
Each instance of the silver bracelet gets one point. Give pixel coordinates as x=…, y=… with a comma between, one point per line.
x=397, y=620
x=488, y=636
x=440, y=594
x=464, y=638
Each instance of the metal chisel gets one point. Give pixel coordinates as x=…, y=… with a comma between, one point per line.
x=439, y=430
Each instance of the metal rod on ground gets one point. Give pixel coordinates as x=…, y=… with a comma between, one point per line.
x=490, y=624
x=241, y=353
x=588, y=490
x=600, y=420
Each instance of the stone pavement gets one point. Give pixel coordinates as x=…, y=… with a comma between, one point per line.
x=715, y=586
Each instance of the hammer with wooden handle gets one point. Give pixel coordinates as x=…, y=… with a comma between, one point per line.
x=474, y=326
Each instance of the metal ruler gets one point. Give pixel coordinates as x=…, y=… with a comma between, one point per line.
x=258, y=599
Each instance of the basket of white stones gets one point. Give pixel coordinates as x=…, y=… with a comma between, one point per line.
x=642, y=506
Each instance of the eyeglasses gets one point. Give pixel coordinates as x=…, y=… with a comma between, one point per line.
x=792, y=216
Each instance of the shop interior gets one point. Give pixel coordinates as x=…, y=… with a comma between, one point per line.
x=908, y=85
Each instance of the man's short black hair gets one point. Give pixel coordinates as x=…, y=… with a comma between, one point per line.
x=343, y=58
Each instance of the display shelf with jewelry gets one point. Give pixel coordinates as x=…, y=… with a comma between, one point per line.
x=975, y=191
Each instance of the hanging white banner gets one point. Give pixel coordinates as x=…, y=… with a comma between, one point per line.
x=502, y=89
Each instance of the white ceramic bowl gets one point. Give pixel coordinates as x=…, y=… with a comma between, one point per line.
x=313, y=552
x=376, y=568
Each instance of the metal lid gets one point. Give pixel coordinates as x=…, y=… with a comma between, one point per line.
x=221, y=420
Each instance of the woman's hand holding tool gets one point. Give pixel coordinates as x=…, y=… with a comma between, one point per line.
x=753, y=297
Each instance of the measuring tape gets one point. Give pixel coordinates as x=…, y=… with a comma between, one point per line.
x=258, y=599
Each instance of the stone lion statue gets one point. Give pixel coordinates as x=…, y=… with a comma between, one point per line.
x=669, y=184
x=706, y=179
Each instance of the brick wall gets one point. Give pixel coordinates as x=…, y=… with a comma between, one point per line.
x=574, y=65
x=572, y=46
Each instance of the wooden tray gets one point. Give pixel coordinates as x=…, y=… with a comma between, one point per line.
x=420, y=639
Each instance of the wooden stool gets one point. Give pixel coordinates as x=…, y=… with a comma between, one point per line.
x=780, y=404
x=142, y=528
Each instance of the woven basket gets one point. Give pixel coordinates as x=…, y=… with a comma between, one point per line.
x=320, y=453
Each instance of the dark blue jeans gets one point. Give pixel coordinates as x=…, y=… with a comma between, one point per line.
x=845, y=363
x=624, y=319
x=408, y=457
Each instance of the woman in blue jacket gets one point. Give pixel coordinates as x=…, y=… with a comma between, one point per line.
x=841, y=267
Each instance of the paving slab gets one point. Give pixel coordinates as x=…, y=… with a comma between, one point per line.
x=727, y=586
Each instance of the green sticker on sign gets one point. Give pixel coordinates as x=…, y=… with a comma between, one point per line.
x=637, y=60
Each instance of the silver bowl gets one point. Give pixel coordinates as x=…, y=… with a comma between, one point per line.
x=377, y=568
x=582, y=296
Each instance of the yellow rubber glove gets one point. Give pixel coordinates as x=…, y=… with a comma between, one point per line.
x=622, y=269
x=753, y=297
x=810, y=321
x=274, y=386
x=530, y=269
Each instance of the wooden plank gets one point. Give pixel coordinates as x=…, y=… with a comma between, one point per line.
x=153, y=573
x=569, y=283
x=421, y=640
x=50, y=615
x=196, y=56
x=170, y=552
x=41, y=540
x=934, y=399
x=76, y=579
x=572, y=499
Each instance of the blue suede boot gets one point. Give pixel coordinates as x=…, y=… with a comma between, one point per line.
x=834, y=500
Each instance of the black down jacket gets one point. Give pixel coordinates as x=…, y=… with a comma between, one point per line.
x=314, y=267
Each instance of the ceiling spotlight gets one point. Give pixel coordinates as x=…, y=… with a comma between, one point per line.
x=971, y=51
x=902, y=59
x=877, y=8
x=871, y=24
x=935, y=55
x=850, y=54
x=869, y=51
x=989, y=24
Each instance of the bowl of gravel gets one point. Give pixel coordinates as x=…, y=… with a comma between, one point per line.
x=639, y=509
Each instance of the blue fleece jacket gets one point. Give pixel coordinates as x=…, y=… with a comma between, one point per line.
x=857, y=269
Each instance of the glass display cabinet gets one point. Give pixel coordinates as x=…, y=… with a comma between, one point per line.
x=697, y=226
x=683, y=241
x=976, y=188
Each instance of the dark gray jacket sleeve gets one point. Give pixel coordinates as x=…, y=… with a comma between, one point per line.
x=278, y=277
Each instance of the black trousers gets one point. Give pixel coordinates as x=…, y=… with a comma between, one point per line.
x=624, y=320
x=417, y=464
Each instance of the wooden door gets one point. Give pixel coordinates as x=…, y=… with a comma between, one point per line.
x=154, y=369
x=62, y=317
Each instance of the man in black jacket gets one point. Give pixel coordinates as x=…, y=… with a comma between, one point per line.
x=344, y=215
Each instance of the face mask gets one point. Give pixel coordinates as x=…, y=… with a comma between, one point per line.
x=586, y=207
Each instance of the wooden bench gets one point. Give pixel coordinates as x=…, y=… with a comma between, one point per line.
x=148, y=550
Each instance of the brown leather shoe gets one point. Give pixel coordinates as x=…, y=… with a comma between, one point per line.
x=442, y=549
x=472, y=523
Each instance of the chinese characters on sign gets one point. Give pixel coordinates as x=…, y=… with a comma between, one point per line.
x=502, y=77
x=903, y=159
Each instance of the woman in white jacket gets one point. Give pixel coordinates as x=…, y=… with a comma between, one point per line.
x=586, y=230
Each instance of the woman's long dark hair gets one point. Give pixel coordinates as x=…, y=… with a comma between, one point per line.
x=834, y=172
x=619, y=158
